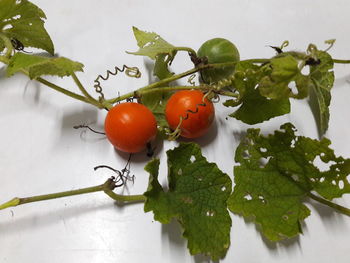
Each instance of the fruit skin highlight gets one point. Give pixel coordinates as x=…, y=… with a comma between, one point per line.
x=196, y=118
x=130, y=126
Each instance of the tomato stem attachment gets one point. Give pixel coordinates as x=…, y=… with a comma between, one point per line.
x=106, y=187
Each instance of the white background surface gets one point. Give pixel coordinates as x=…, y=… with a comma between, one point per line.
x=42, y=153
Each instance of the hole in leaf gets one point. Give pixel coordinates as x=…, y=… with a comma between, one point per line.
x=263, y=150
x=305, y=71
x=246, y=154
x=295, y=177
x=334, y=182
x=18, y=2
x=179, y=172
x=322, y=179
x=210, y=213
x=293, y=87
x=199, y=178
x=322, y=166
x=292, y=143
x=341, y=184
x=8, y=26
x=16, y=17
x=264, y=161
x=248, y=197
x=223, y=188
x=262, y=199
x=192, y=159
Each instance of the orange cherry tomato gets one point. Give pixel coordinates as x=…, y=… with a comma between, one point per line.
x=189, y=104
x=130, y=126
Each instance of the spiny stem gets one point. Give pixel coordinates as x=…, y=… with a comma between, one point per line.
x=341, y=61
x=107, y=187
x=339, y=208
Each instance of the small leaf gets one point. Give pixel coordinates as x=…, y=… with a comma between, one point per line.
x=24, y=21
x=151, y=44
x=39, y=65
x=276, y=172
x=197, y=196
x=161, y=69
x=156, y=102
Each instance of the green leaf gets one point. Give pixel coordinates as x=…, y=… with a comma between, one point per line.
x=156, y=102
x=322, y=76
x=197, y=197
x=39, y=65
x=254, y=107
x=284, y=71
x=151, y=44
x=161, y=69
x=275, y=174
x=24, y=21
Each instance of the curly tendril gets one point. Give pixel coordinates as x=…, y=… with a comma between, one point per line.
x=132, y=72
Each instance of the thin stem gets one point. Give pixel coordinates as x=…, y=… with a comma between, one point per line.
x=82, y=89
x=341, y=61
x=125, y=198
x=190, y=50
x=339, y=208
x=107, y=187
x=21, y=201
x=160, y=83
x=67, y=92
x=143, y=92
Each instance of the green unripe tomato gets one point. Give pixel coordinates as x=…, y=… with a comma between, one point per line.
x=218, y=50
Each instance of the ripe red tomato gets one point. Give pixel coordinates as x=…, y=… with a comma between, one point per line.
x=187, y=103
x=130, y=126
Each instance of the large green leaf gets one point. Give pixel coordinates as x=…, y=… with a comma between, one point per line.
x=254, y=107
x=24, y=21
x=276, y=172
x=197, y=197
x=37, y=66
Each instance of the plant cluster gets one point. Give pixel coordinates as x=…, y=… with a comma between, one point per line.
x=274, y=173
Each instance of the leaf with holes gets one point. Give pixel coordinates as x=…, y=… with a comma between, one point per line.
x=197, y=197
x=24, y=21
x=283, y=71
x=275, y=173
x=151, y=44
x=39, y=65
x=254, y=107
x=322, y=76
